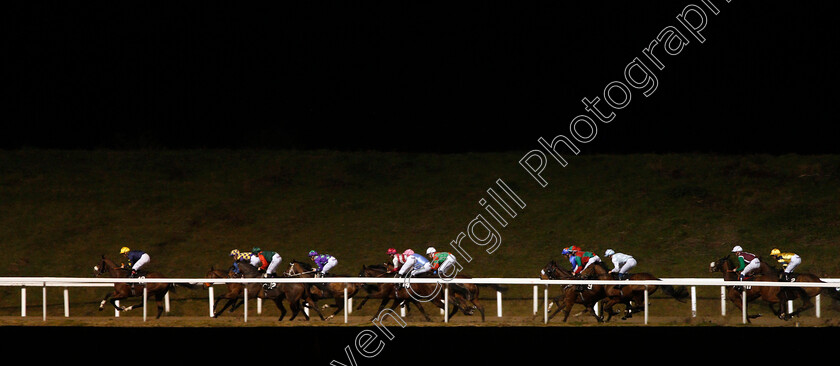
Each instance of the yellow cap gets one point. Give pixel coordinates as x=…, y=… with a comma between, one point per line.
x=124, y=250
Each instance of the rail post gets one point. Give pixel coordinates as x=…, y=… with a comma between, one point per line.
x=446, y=304
x=693, y=301
x=44, y=301
x=23, y=301
x=536, y=300
x=744, y=306
x=245, y=304
x=723, y=301
x=210, y=298
x=345, y=303
x=545, y=305
x=66, y=303
x=817, y=305
x=498, y=304
x=145, y=297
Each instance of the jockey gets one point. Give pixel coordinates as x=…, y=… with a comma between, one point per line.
x=572, y=248
x=238, y=256
x=747, y=262
x=580, y=260
x=440, y=261
x=788, y=260
x=622, y=262
x=136, y=259
x=267, y=261
x=325, y=262
x=414, y=262
x=397, y=259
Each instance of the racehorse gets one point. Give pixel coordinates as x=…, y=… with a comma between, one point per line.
x=236, y=291
x=629, y=294
x=123, y=290
x=770, y=294
x=384, y=291
x=588, y=296
x=326, y=290
x=804, y=293
x=462, y=299
x=387, y=291
x=294, y=293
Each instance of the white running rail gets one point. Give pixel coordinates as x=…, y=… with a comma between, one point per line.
x=67, y=282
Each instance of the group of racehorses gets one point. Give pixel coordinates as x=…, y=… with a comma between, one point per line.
x=465, y=297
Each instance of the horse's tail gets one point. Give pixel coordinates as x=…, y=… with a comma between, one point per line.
x=833, y=292
x=679, y=293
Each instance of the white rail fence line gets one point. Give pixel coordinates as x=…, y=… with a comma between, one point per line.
x=67, y=282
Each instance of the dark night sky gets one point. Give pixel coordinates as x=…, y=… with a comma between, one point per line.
x=399, y=75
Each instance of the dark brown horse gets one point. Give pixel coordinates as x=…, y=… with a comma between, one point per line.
x=772, y=295
x=464, y=298
x=326, y=290
x=295, y=293
x=124, y=290
x=803, y=293
x=586, y=295
x=384, y=291
x=235, y=291
x=629, y=294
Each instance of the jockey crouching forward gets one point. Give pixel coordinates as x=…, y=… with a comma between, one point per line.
x=325, y=262
x=267, y=261
x=136, y=260
x=440, y=261
x=415, y=264
x=397, y=259
x=241, y=257
x=747, y=262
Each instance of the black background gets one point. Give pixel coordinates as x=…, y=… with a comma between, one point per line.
x=413, y=76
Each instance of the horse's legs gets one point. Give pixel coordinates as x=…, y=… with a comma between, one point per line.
x=105, y=300
x=422, y=311
x=314, y=306
x=228, y=304
x=567, y=308
x=555, y=300
x=362, y=303
x=478, y=305
x=279, y=302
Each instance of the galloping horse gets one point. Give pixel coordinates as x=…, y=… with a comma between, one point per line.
x=629, y=293
x=770, y=294
x=425, y=292
x=572, y=294
x=124, y=290
x=235, y=292
x=327, y=290
x=804, y=293
x=384, y=291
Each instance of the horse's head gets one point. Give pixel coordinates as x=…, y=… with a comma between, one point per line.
x=720, y=265
x=214, y=273
x=296, y=268
x=547, y=273
x=105, y=266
